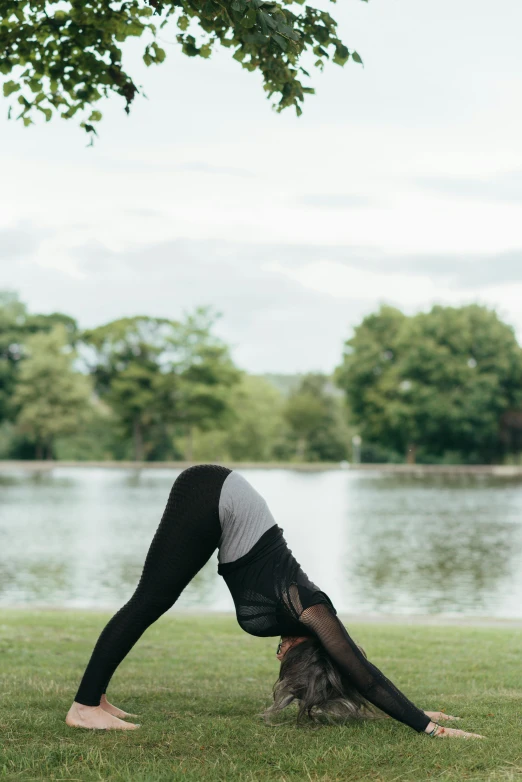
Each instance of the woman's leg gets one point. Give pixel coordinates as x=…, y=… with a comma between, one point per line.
x=186, y=538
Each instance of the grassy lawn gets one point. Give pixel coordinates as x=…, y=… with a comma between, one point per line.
x=198, y=684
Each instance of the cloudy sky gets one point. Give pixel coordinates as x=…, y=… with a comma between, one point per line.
x=401, y=183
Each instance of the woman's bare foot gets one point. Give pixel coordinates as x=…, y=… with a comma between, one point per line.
x=81, y=716
x=106, y=706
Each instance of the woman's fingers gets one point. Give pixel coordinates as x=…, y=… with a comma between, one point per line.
x=439, y=715
x=455, y=733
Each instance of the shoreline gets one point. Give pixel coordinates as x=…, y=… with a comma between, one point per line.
x=427, y=620
x=498, y=470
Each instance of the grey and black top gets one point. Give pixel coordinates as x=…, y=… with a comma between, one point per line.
x=244, y=516
x=212, y=507
x=273, y=595
x=258, y=566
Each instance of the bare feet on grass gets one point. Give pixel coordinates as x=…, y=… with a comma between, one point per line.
x=80, y=716
x=106, y=706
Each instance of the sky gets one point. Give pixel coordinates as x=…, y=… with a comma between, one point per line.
x=401, y=183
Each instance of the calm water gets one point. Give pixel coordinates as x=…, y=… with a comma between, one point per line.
x=375, y=542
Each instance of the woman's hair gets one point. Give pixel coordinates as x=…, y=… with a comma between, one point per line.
x=310, y=677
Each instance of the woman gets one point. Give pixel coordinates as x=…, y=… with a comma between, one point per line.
x=211, y=507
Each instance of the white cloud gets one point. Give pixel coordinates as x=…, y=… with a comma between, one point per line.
x=342, y=281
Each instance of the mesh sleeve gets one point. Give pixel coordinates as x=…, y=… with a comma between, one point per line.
x=361, y=673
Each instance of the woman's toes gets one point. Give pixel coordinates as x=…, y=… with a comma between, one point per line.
x=110, y=709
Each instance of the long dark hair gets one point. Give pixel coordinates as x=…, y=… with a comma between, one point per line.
x=310, y=677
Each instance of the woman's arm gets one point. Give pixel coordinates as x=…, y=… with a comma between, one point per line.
x=368, y=679
x=365, y=676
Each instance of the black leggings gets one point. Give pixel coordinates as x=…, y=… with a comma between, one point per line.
x=185, y=540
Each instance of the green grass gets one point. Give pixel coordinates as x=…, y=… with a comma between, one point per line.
x=198, y=684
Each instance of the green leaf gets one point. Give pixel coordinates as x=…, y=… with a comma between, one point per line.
x=159, y=52
x=190, y=50
x=89, y=128
x=10, y=87
x=280, y=40
x=262, y=22
x=183, y=22
x=209, y=10
x=270, y=22
x=356, y=57
x=341, y=55
x=254, y=38
x=249, y=18
x=47, y=112
x=320, y=51
x=95, y=116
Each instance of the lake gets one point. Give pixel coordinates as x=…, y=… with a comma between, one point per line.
x=377, y=543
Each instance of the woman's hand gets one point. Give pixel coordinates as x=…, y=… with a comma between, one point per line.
x=435, y=716
x=455, y=733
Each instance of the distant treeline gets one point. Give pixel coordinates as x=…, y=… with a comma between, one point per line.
x=438, y=387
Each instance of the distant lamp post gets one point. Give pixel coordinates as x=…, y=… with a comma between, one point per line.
x=356, y=449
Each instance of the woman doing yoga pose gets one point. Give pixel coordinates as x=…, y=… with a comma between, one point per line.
x=212, y=507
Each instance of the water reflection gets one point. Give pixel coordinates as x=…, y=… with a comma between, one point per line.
x=376, y=543
x=452, y=568
x=35, y=580
x=448, y=547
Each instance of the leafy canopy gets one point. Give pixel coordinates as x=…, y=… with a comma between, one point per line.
x=440, y=379
x=65, y=55
x=155, y=371
x=16, y=326
x=52, y=397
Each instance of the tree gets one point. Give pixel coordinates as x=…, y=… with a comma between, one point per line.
x=16, y=326
x=51, y=397
x=366, y=361
x=435, y=383
x=12, y=314
x=65, y=55
x=255, y=430
x=205, y=375
x=315, y=420
x=154, y=372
